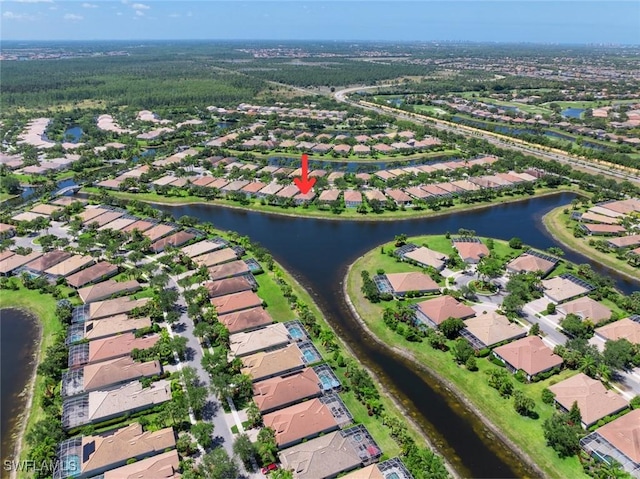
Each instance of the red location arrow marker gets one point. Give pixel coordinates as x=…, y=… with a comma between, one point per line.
x=304, y=183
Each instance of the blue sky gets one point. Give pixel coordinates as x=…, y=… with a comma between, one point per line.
x=563, y=21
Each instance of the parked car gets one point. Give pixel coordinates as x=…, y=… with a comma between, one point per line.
x=269, y=468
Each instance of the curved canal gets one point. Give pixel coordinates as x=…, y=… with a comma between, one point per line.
x=318, y=253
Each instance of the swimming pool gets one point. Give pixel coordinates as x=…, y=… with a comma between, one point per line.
x=296, y=332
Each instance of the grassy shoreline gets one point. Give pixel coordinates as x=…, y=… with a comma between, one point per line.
x=352, y=215
x=524, y=435
x=553, y=222
x=43, y=307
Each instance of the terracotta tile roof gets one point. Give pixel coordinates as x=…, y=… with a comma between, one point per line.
x=471, y=251
x=560, y=289
x=116, y=346
x=300, y=421
x=99, y=270
x=114, y=371
x=158, y=231
x=594, y=400
x=493, y=328
x=369, y=472
x=116, y=448
x=220, y=256
x=14, y=261
x=117, y=225
x=329, y=195
x=236, y=302
x=624, y=328
x=106, y=289
x=625, y=241
x=140, y=225
x=587, y=308
x=201, y=247
x=47, y=261
x=114, y=325
x=351, y=196
x=268, y=364
x=426, y=256
x=91, y=212
x=228, y=286
x=279, y=392
x=597, y=218
x=245, y=320
x=530, y=263
x=624, y=434
x=111, y=307
x=413, y=281
x=176, y=239
x=375, y=195
x=70, y=265
x=228, y=270
x=272, y=336
x=529, y=354
x=444, y=307
x=43, y=209
x=161, y=466
x=106, y=218
x=598, y=228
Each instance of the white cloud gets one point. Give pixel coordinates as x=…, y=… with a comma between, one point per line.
x=119, y=14
x=89, y=5
x=16, y=16
x=140, y=13
x=73, y=17
x=140, y=6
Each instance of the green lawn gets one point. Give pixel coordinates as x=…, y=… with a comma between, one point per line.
x=43, y=306
x=277, y=304
x=525, y=432
x=561, y=227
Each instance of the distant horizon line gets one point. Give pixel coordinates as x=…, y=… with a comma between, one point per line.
x=239, y=40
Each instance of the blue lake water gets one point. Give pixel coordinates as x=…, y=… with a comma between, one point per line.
x=572, y=112
x=73, y=134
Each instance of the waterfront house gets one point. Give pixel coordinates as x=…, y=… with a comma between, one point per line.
x=176, y=239
x=403, y=283
x=529, y=355
x=329, y=455
x=490, y=329
x=106, y=373
x=70, y=265
x=108, y=348
x=300, y=421
x=617, y=441
x=595, y=229
x=352, y=199
x=228, y=270
x=90, y=456
x=161, y=466
x=587, y=309
x=221, y=256
x=139, y=225
x=269, y=337
x=282, y=391
x=594, y=400
x=424, y=257
x=111, y=307
x=10, y=262
x=471, y=250
x=107, y=289
x=105, y=327
x=245, y=320
x=158, y=231
x=398, y=196
x=375, y=195
x=265, y=365
x=46, y=261
x=624, y=241
x=329, y=196
x=564, y=287
x=532, y=262
x=202, y=247
x=434, y=311
x=101, y=405
x=228, y=286
x=236, y=302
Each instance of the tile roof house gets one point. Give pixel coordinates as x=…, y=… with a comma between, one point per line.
x=246, y=319
x=176, y=239
x=161, y=466
x=105, y=327
x=47, y=261
x=426, y=257
x=12, y=262
x=471, y=252
x=91, y=212
x=587, y=308
x=228, y=270
x=102, y=452
x=109, y=348
x=561, y=289
x=107, y=289
x=224, y=255
x=329, y=196
x=403, y=283
x=327, y=456
x=300, y=421
x=111, y=307
x=619, y=441
x=201, y=247
x=594, y=400
x=375, y=195
x=530, y=263
x=603, y=230
x=236, y=302
x=352, y=199
x=158, y=231
x=117, y=224
x=265, y=365
x=139, y=225
x=624, y=241
x=7, y=231
x=436, y=310
x=70, y=265
x=228, y=286
x=623, y=329
x=529, y=355
x=98, y=271
x=102, y=405
x=270, y=337
x=107, y=373
x=282, y=391
x=43, y=209
x=488, y=329
x=399, y=196
x=106, y=218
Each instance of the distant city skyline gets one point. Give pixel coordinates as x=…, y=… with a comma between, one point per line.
x=534, y=21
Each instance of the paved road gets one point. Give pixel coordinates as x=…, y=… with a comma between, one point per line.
x=342, y=96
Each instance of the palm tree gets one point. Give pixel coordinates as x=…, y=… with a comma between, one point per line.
x=588, y=365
